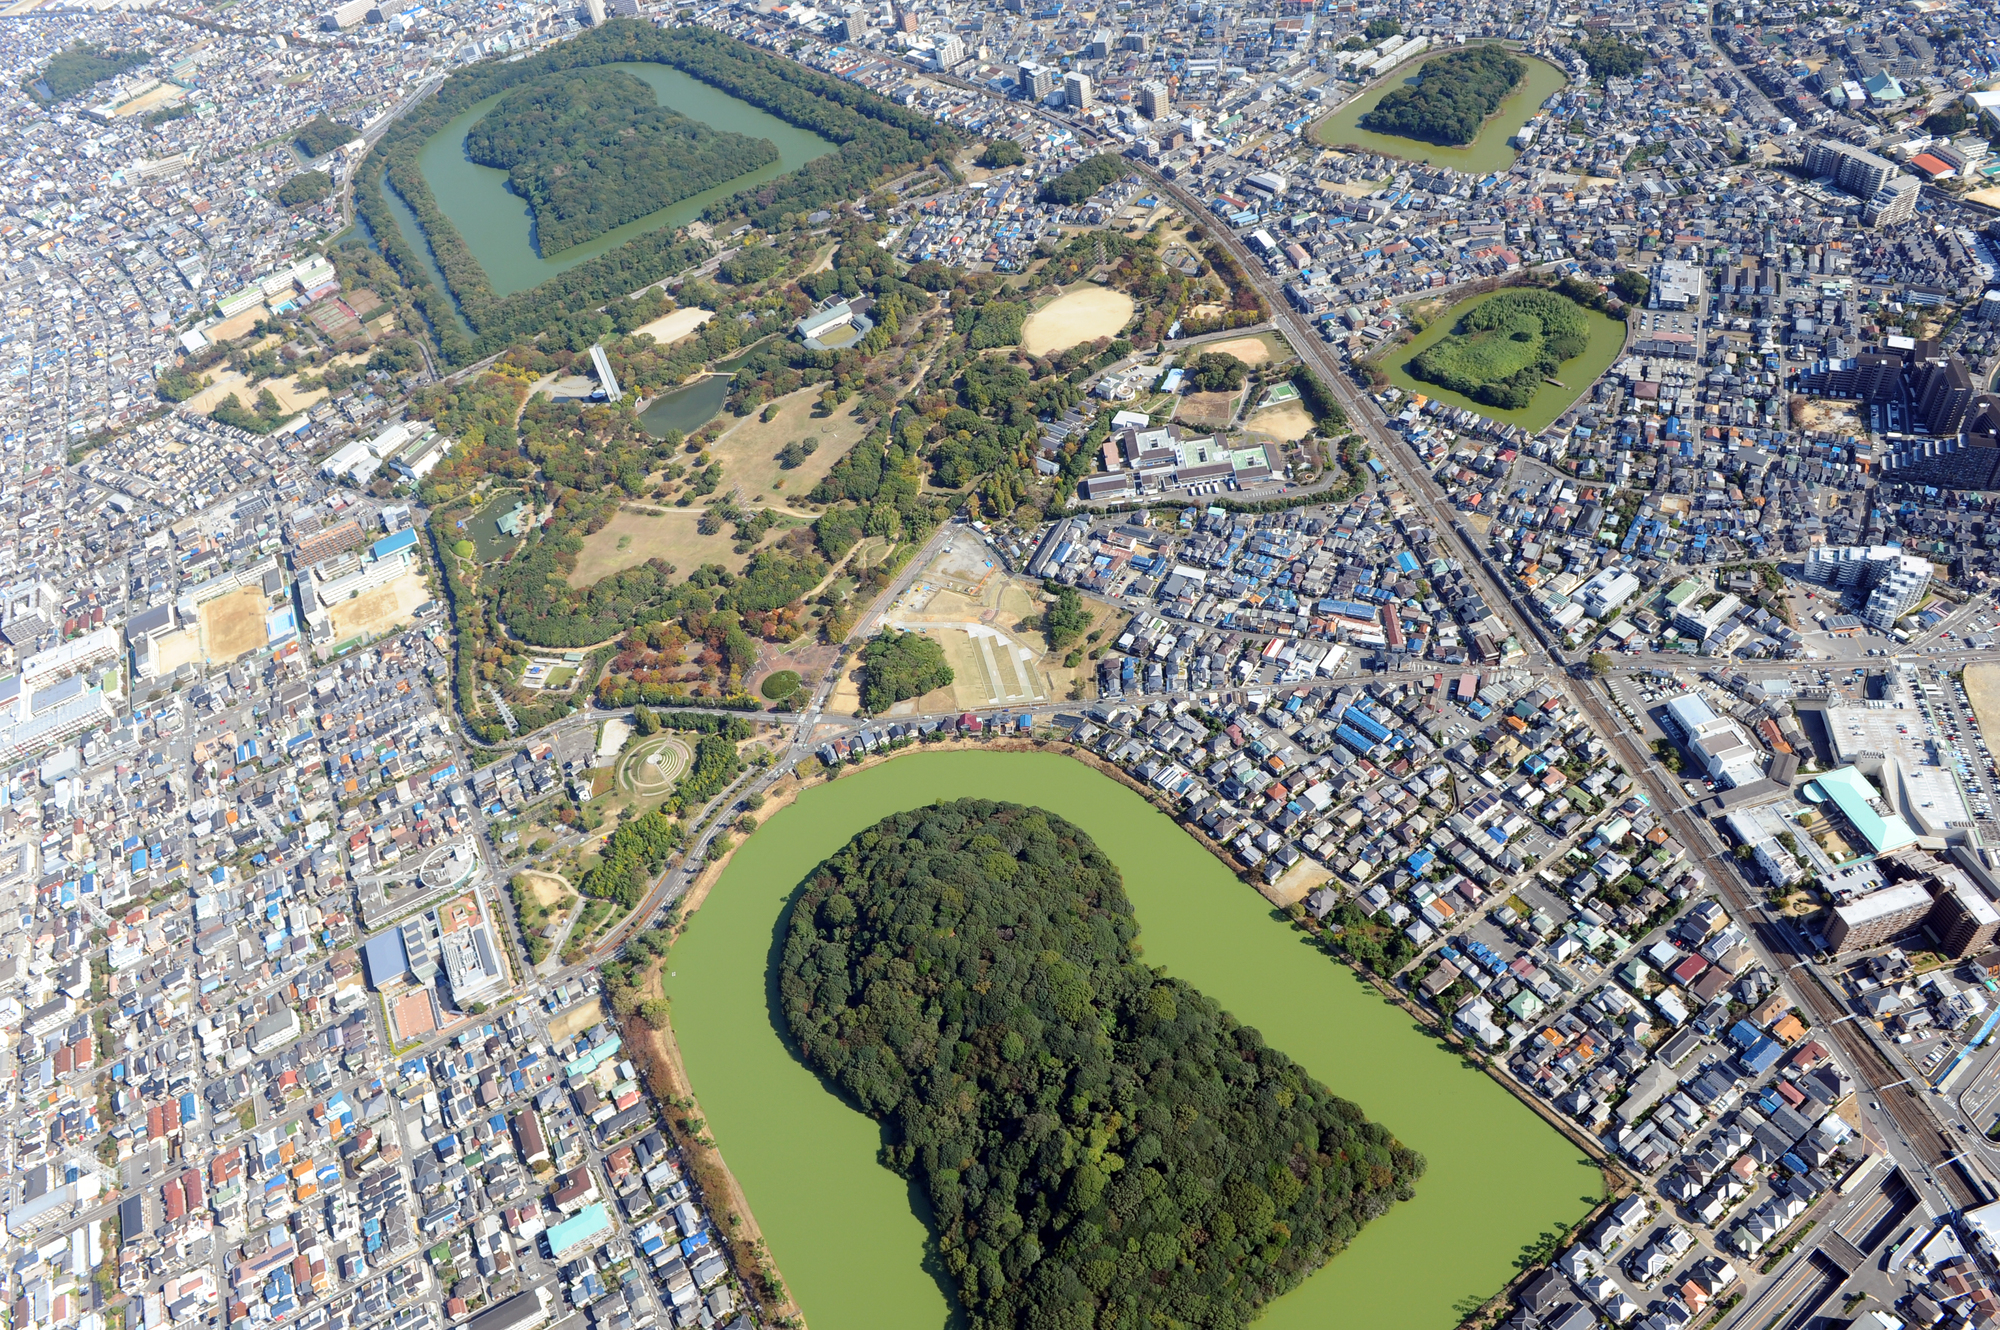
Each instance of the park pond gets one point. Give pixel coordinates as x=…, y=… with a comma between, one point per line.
x=1607, y=339
x=497, y=225
x=686, y=409
x=1490, y=151
x=849, y=1236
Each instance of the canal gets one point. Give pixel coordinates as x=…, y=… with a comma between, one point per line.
x=846, y=1232
x=497, y=225
x=1490, y=151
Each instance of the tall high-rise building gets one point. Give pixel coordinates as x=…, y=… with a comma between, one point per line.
x=1944, y=390
x=950, y=49
x=1154, y=100
x=1037, y=81
x=1855, y=170
x=1895, y=201
x=906, y=20
x=1076, y=90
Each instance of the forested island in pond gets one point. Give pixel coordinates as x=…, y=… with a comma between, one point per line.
x=1101, y=1144
x=1451, y=98
x=594, y=150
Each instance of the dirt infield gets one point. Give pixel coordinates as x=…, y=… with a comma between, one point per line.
x=1081, y=314
x=1287, y=421
x=380, y=608
x=229, y=381
x=1251, y=351
x=232, y=624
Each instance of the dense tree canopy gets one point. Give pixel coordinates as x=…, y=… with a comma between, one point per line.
x=1216, y=372
x=897, y=665
x=1610, y=58
x=1451, y=98
x=1001, y=152
x=305, y=187
x=1084, y=179
x=79, y=67
x=1100, y=1144
x=594, y=149
x=322, y=134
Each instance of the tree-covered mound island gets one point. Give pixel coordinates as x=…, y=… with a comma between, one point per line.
x=1451, y=98
x=1101, y=1144
x=596, y=150
x=1500, y=350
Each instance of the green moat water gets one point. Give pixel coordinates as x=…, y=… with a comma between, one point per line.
x=1490, y=151
x=846, y=1232
x=496, y=222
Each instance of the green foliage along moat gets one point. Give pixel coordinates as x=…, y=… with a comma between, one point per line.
x=595, y=150
x=1451, y=98
x=1101, y=1145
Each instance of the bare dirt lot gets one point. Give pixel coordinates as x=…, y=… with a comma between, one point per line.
x=232, y=624
x=379, y=609
x=1207, y=410
x=1083, y=313
x=1982, y=689
x=546, y=888
x=566, y=1023
x=672, y=327
x=229, y=381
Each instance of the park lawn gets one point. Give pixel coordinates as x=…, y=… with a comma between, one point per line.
x=637, y=533
x=749, y=450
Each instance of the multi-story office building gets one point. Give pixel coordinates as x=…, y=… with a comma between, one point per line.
x=1076, y=90
x=1154, y=100
x=1869, y=921
x=1036, y=82
x=1855, y=170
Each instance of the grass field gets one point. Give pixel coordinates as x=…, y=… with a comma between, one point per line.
x=749, y=450
x=232, y=624
x=1607, y=339
x=1083, y=313
x=379, y=609
x=633, y=536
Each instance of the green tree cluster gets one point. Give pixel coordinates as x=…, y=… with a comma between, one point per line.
x=1001, y=153
x=261, y=418
x=895, y=666
x=1451, y=99
x=1100, y=1144
x=322, y=134
x=1065, y=620
x=1500, y=350
x=751, y=265
x=1633, y=287
x=594, y=149
x=305, y=187
x=79, y=67
x=632, y=854
x=1084, y=179
x=715, y=764
x=1610, y=58
x=1215, y=372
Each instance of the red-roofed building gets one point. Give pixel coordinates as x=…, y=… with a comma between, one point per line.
x=1936, y=168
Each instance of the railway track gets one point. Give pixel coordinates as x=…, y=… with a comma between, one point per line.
x=1781, y=947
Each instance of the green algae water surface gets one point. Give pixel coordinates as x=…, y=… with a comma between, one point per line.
x=847, y=1233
